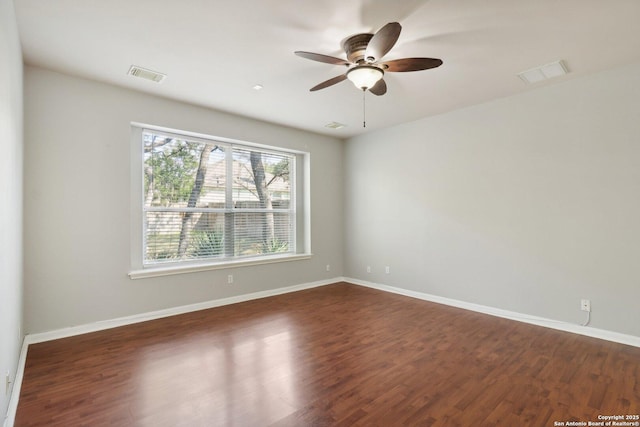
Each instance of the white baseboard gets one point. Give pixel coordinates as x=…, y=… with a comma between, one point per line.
x=17, y=385
x=512, y=315
x=137, y=318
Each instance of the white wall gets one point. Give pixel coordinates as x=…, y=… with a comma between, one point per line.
x=77, y=203
x=527, y=203
x=10, y=198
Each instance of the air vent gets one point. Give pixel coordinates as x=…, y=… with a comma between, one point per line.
x=144, y=73
x=334, y=125
x=543, y=72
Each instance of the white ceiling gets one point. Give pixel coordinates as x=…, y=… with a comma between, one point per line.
x=215, y=51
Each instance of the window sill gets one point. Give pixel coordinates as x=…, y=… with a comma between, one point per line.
x=194, y=268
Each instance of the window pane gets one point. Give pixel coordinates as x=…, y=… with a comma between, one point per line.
x=173, y=236
x=261, y=180
x=182, y=173
x=262, y=233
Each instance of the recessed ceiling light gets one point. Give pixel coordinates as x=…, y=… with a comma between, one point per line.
x=258, y=87
x=147, y=74
x=543, y=72
x=334, y=125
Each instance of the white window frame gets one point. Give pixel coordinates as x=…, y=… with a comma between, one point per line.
x=300, y=182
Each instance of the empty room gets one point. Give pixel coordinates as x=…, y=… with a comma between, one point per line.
x=328, y=213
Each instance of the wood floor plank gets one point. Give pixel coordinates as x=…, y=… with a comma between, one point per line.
x=338, y=355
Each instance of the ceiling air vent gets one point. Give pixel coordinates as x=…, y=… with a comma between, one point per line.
x=334, y=125
x=543, y=72
x=144, y=73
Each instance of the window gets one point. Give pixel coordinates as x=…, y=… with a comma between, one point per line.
x=217, y=201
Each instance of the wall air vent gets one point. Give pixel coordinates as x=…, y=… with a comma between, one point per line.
x=144, y=73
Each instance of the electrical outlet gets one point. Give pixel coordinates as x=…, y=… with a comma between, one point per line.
x=230, y=279
x=585, y=305
x=368, y=269
x=387, y=269
x=328, y=267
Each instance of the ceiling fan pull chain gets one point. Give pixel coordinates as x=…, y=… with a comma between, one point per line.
x=364, y=110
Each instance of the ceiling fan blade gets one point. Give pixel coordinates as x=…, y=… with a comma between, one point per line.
x=382, y=41
x=379, y=88
x=329, y=82
x=411, y=64
x=321, y=58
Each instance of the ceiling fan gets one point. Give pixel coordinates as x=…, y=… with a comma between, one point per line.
x=364, y=54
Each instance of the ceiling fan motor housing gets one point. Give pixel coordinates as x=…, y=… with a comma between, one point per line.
x=355, y=47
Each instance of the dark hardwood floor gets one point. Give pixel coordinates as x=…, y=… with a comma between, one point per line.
x=338, y=355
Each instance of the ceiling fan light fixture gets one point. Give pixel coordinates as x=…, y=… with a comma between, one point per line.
x=365, y=76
